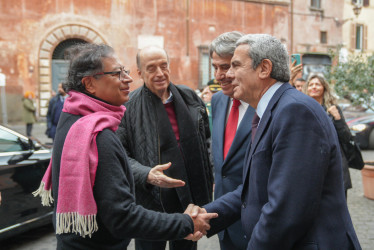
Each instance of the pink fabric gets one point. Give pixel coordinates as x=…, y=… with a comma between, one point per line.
x=79, y=157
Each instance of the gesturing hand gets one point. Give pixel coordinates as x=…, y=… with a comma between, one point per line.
x=157, y=177
x=333, y=110
x=294, y=71
x=200, y=220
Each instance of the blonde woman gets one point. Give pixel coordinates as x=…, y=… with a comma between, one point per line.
x=318, y=88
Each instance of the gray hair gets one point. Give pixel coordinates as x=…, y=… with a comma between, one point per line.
x=85, y=60
x=138, y=62
x=263, y=46
x=224, y=45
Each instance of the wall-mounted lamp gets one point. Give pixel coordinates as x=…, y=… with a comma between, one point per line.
x=356, y=10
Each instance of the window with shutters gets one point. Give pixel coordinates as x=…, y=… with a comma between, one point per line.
x=206, y=70
x=359, y=37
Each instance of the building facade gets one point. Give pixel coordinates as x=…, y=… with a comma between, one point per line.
x=34, y=35
x=315, y=31
x=357, y=31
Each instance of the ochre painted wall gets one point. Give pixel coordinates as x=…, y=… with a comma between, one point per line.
x=27, y=26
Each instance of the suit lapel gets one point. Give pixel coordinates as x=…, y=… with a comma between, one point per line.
x=244, y=130
x=219, y=124
x=264, y=124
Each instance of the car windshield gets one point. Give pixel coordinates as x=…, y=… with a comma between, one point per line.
x=10, y=142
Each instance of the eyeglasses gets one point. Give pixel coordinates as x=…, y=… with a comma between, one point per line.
x=121, y=73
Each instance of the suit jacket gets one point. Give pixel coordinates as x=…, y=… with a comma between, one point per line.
x=292, y=195
x=229, y=171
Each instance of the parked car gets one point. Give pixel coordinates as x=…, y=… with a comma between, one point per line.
x=363, y=129
x=22, y=165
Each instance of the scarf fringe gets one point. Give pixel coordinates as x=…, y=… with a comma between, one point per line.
x=45, y=195
x=72, y=222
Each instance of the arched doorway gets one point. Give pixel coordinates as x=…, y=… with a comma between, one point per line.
x=59, y=64
x=52, y=69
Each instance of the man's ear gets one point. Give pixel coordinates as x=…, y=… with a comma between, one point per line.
x=139, y=73
x=89, y=84
x=266, y=66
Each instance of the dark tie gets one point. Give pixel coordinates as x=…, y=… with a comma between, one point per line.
x=231, y=126
x=255, y=121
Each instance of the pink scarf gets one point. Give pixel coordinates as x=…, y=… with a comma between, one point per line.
x=76, y=210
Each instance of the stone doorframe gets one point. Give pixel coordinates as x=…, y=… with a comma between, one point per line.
x=48, y=45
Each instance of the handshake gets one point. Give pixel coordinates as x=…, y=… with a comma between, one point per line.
x=200, y=220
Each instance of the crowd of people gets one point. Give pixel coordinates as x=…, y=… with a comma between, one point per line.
x=144, y=164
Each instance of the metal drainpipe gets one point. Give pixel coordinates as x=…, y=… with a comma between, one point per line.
x=291, y=49
x=187, y=28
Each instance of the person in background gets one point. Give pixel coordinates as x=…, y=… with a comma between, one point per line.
x=165, y=132
x=54, y=111
x=207, y=94
x=229, y=142
x=29, y=110
x=299, y=83
x=296, y=72
x=318, y=88
x=89, y=173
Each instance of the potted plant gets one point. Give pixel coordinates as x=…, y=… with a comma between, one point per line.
x=368, y=180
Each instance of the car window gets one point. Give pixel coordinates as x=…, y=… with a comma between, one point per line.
x=10, y=142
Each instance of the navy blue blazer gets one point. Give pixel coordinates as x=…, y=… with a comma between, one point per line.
x=292, y=195
x=229, y=172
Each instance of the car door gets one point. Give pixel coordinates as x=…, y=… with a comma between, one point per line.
x=22, y=167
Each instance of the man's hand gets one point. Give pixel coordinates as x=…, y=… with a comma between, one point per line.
x=200, y=220
x=333, y=110
x=156, y=177
x=294, y=71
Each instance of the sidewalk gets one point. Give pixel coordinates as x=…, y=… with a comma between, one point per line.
x=360, y=208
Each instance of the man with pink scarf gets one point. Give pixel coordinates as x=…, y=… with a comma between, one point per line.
x=89, y=178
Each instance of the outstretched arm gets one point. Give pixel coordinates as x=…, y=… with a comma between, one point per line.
x=157, y=177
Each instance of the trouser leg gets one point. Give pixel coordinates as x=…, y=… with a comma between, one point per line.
x=149, y=245
x=28, y=129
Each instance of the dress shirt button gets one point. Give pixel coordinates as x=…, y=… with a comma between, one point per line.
x=244, y=205
x=224, y=176
x=245, y=236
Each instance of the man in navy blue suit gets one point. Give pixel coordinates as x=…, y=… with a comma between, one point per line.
x=228, y=153
x=292, y=196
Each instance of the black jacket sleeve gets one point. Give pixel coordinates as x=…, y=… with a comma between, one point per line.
x=342, y=129
x=115, y=199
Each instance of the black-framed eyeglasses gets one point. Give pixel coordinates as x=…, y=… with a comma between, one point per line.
x=121, y=73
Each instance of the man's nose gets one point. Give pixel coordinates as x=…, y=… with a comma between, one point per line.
x=159, y=71
x=220, y=74
x=230, y=73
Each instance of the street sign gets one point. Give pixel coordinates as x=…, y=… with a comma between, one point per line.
x=2, y=80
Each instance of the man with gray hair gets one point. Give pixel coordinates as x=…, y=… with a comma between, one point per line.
x=230, y=134
x=292, y=196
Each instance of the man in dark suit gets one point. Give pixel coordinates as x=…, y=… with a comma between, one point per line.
x=292, y=195
x=228, y=144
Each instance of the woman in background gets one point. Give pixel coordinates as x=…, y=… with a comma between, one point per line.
x=29, y=111
x=318, y=88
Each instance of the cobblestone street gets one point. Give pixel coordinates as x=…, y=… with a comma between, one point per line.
x=361, y=210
